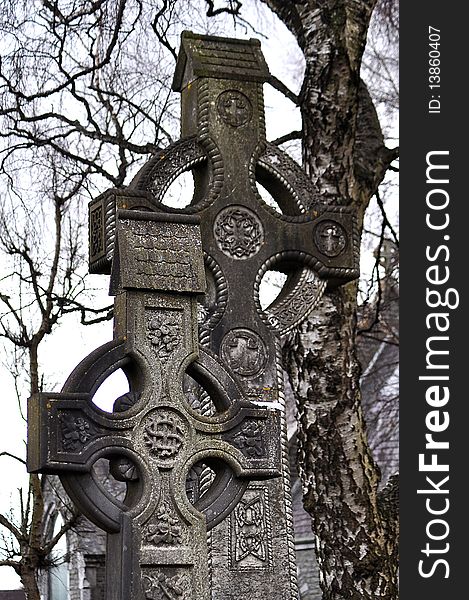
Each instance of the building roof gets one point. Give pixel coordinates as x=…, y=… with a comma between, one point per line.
x=12, y=595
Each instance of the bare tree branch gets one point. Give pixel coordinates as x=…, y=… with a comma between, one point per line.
x=233, y=8
x=10, y=563
x=281, y=87
x=293, y=135
x=11, y=527
x=68, y=524
x=161, y=31
x=21, y=460
x=385, y=218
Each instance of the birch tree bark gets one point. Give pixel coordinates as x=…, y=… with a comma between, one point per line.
x=345, y=156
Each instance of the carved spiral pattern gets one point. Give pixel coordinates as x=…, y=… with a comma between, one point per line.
x=163, y=433
x=110, y=227
x=261, y=115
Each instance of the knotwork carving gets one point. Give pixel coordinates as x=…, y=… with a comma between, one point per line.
x=158, y=586
x=76, y=432
x=238, y=232
x=165, y=167
x=96, y=231
x=286, y=314
x=166, y=529
x=250, y=529
x=164, y=333
x=249, y=439
x=163, y=433
x=288, y=310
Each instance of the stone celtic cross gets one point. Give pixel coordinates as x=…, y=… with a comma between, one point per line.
x=243, y=237
x=157, y=545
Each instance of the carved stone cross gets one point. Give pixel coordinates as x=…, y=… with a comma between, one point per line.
x=243, y=237
x=157, y=545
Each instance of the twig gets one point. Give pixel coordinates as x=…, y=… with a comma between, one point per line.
x=293, y=135
x=233, y=8
x=385, y=219
x=282, y=88
x=21, y=460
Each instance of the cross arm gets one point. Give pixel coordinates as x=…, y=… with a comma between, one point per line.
x=247, y=438
x=66, y=433
x=324, y=238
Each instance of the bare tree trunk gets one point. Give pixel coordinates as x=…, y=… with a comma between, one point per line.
x=345, y=156
x=355, y=553
x=32, y=547
x=28, y=579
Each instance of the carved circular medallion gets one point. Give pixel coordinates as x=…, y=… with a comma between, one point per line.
x=244, y=351
x=238, y=232
x=234, y=108
x=330, y=238
x=163, y=433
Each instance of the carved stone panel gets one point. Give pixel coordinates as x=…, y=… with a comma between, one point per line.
x=163, y=435
x=249, y=439
x=331, y=238
x=96, y=232
x=158, y=255
x=166, y=528
x=164, y=331
x=251, y=532
x=76, y=431
x=166, y=584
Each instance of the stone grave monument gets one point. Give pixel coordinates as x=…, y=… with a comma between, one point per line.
x=206, y=410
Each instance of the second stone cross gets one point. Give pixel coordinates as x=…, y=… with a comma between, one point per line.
x=251, y=551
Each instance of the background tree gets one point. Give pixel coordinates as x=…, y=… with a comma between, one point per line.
x=84, y=101
x=345, y=155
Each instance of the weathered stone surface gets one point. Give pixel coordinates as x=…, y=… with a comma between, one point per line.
x=225, y=427
x=156, y=538
x=220, y=81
